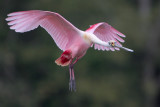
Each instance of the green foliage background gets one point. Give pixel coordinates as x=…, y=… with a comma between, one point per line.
x=30, y=78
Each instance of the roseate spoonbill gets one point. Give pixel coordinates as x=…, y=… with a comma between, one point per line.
x=72, y=41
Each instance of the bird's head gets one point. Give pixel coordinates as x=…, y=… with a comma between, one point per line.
x=112, y=43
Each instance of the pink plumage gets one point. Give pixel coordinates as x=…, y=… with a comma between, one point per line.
x=58, y=27
x=105, y=32
x=71, y=40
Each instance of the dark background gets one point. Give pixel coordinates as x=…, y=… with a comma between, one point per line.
x=30, y=78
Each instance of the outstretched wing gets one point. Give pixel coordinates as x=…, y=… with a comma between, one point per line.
x=105, y=32
x=61, y=30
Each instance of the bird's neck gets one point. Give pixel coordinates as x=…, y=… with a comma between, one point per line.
x=91, y=38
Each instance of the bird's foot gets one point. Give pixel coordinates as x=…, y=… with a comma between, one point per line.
x=72, y=85
x=72, y=82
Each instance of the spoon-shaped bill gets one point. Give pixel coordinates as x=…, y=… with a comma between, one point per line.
x=124, y=48
x=127, y=49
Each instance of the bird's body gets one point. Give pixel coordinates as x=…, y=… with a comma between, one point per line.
x=81, y=45
x=73, y=42
x=77, y=49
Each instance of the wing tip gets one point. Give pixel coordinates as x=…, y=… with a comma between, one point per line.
x=122, y=35
x=12, y=14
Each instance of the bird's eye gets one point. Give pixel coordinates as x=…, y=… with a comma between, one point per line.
x=112, y=43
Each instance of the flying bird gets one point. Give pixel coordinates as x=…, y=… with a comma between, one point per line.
x=72, y=41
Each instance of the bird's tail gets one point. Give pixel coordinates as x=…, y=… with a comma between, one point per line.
x=65, y=59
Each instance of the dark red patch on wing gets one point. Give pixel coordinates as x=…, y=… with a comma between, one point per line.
x=67, y=52
x=92, y=26
x=65, y=58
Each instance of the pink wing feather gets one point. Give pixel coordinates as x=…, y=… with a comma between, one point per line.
x=105, y=32
x=62, y=31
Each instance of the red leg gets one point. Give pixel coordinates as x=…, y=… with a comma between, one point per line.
x=75, y=61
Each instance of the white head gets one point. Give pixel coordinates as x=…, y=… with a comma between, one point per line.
x=113, y=43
